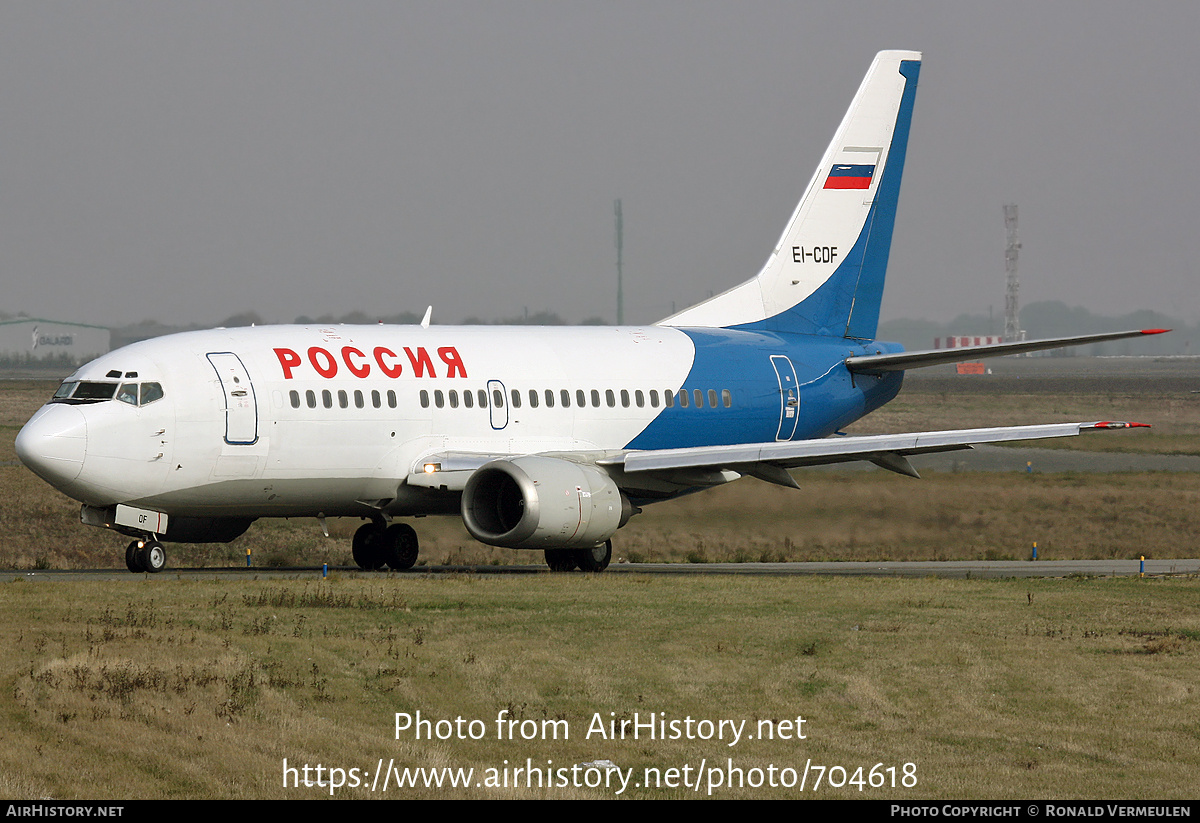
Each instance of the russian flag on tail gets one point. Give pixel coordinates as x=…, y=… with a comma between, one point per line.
x=846, y=176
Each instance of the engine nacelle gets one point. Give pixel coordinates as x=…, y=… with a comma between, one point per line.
x=543, y=503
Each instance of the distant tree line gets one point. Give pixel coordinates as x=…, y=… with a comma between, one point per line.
x=124, y=335
x=57, y=363
x=1044, y=319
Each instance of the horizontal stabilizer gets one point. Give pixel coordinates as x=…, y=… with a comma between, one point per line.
x=874, y=363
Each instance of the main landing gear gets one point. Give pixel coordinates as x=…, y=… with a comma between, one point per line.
x=395, y=546
x=595, y=559
x=146, y=555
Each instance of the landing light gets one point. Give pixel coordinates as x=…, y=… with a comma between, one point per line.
x=430, y=468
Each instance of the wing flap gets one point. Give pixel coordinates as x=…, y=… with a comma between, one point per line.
x=702, y=465
x=878, y=448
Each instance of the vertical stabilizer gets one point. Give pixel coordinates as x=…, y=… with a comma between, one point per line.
x=827, y=271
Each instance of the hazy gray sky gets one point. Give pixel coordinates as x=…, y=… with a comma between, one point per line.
x=187, y=161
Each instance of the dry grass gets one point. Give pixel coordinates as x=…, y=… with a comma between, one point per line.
x=1175, y=417
x=160, y=688
x=156, y=687
x=878, y=515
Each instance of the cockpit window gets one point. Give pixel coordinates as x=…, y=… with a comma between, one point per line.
x=88, y=390
x=151, y=392
x=76, y=392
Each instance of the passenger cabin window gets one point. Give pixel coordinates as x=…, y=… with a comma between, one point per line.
x=294, y=396
x=669, y=398
x=533, y=399
x=654, y=398
x=565, y=396
x=726, y=398
x=497, y=398
x=358, y=399
x=516, y=399
x=483, y=398
x=311, y=398
x=469, y=399
x=343, y=399
x=391, y=399
x=424, y=399
x=549, y=398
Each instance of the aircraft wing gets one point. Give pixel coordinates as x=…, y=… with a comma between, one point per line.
x=769, y=461
x=899, y=361
x=701, y=465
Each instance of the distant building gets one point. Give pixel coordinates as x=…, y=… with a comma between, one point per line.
x=37, y=341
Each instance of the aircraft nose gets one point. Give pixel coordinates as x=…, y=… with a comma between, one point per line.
x=53, y=443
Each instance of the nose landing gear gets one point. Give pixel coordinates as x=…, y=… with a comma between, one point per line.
x=146, y=555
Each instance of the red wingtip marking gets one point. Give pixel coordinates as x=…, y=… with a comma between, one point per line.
x=1111, y=424
x=1155, y=331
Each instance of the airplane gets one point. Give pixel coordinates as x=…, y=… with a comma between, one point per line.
x=543, y=438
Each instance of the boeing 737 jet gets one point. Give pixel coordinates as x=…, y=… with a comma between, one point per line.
x=545, y=438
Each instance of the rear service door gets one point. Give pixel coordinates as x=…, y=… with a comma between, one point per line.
x=789, y=397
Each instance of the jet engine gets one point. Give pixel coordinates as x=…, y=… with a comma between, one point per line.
x=543, y=503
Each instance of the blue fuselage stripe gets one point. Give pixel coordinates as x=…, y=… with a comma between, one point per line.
x=740, y=362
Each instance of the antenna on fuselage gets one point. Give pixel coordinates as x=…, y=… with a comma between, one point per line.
x=426, y=318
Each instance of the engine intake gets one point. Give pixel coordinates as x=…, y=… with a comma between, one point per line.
x=543, y=503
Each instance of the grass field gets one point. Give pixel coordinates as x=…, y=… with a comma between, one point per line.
x=1175, y=417
x=160, y=688
x=156, y=687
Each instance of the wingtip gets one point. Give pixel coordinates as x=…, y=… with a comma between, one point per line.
x=1155, y=331
x=1117, y=424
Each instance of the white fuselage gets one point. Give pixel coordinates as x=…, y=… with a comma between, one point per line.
x=291, y=420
